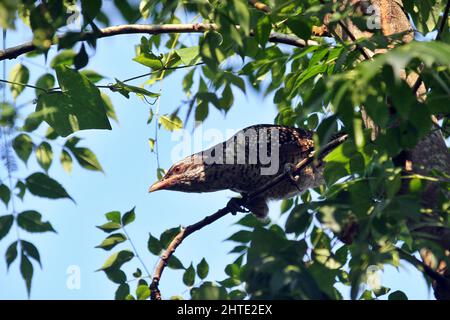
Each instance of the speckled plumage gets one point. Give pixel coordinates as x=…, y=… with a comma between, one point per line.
x=218, y=168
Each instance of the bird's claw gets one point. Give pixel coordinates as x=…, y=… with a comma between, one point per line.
x=289, y=169
x=237, y=205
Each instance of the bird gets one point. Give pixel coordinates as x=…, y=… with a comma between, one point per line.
x=248, y=160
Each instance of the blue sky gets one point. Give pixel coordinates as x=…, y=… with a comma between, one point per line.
x=130, y=168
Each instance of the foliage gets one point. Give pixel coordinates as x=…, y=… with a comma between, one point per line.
x=322, y=86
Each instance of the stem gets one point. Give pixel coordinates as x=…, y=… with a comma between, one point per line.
x=22, y=84
x=136, y=253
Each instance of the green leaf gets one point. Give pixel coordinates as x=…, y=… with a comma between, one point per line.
x=128, y=217
x=11, y=254
x=116, y=260
x=171, y=122
x=286, y=204
x=188, y=81
x=397, y=295
x=142, y=292
x=128, y=11
x=125, y=90
x=20, y=75
x=189, y=56
x=113, y=216
x=44, y=155
x=112, y=240
x=42, y=185
x=202, y=269
x=227, y=99
x=31, y=251
x=86, y=158
x=209, y=291
x=66, y=161
x=153, y=245
x=26, y=270
x=168, y=235
x=210, y=49
x=5, y=224
x=110, y=112
x=51, y=134
x=242, y=236
x=31, y=221
x=5, y=194
x=78, y=107
x=151, y=144
x=262, y=31
x=149, y=60
x=250, y=220
x=240, y=14
x=23, y=146
x=202, y=110
x=425, y=14
x=81, y=59
x=34, y=120
x=300, y=26
x=92, y=75
x=145, y=7
x=46, y=81
x=65, y=57
x=138, y=273
x=299, y=220
x=110, y=227
x=175, y=263
x=122, y=292
x=189, y=276
x=22, y=188
x=7, y=115
x=116, y=275
x=90, y=9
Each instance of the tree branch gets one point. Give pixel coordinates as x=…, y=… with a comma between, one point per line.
x=232, y=207
x=349, y=34
x=275, y=37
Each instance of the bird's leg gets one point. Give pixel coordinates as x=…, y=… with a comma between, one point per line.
x=237, y=205
x=289, y=168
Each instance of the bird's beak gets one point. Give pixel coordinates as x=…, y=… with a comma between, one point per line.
x=160, y=185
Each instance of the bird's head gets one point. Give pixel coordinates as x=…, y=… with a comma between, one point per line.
x=187, y=175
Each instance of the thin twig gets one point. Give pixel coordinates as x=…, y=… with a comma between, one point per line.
x=162, y=69
x=136, y=253
x=105, y=86
x=5, y=136
x=22, y=84
x=350, y=35
x=231, y=207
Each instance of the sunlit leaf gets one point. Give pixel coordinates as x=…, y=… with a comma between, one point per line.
x=116, y=260
x=20, y=75
x=79, y=106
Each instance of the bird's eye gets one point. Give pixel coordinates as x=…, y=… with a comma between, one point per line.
x=177, y=170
